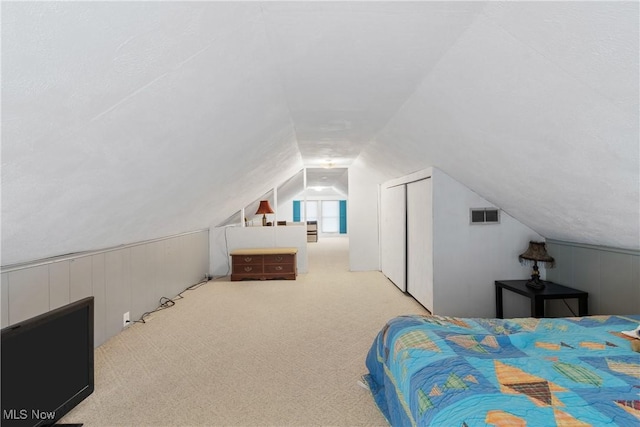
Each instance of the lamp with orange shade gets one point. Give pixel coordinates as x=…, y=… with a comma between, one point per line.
x=264, y=209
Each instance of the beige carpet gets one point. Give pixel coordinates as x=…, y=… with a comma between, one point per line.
x=251, y=353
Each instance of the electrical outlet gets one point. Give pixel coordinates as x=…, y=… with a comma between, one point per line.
x=125, y=320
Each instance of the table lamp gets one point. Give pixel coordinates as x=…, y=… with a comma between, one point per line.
x=264, y=209
x=536, y=252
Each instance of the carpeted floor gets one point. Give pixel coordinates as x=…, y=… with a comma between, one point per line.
x=251, y=353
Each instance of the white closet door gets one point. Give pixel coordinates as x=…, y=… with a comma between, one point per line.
x=420, y=242
x=393, y=234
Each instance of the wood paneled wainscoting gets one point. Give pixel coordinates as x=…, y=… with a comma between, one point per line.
x=130, y=278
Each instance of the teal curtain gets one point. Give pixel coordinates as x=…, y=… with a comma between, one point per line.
x=343, y=216
x=296, y=210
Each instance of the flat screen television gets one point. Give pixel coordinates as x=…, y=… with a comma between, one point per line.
x=47, y=365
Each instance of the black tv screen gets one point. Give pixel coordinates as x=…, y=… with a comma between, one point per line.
x=47, y=365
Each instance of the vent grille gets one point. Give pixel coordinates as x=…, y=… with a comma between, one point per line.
x=484, y=215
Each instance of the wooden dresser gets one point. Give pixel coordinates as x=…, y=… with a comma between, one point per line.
x=264, y=263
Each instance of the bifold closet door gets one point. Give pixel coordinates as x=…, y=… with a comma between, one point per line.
x=420, y=242
x=393, y=234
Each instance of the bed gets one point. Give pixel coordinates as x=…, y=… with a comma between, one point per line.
x=447, y=371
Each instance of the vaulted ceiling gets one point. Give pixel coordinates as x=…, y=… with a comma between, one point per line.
x=125, y=121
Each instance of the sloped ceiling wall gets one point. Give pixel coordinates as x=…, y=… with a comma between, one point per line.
x=125, y=121
x=535, y=107
x=129, y=121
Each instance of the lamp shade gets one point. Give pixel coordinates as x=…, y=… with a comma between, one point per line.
x=537, y=251
x=264, y=208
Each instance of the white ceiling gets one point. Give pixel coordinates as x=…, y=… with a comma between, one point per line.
x=124, y=121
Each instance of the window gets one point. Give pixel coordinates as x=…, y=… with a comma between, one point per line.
x=330, y=216
x=311, y=207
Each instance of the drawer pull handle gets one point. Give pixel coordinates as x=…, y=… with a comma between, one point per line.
x=248, y=268
x=247, y=259
x=278, y=267
x=279, y=258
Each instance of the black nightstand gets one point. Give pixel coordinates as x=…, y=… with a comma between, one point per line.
x=538, y=296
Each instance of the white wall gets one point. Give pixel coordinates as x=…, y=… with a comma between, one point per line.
x=363, y=216
x=534, y=106
x=285, y=210
x=136, y=79
x=469, y=258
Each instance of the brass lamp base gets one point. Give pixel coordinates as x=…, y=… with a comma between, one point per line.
x=535, y=283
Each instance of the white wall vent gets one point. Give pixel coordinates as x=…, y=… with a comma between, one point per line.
x=484, y=216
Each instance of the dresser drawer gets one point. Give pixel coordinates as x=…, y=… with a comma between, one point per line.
x=279, y=259
x=247, y=259
x=247, y=269
x=278, y=268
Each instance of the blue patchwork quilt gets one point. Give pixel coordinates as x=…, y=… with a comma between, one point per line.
x=446, y=371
